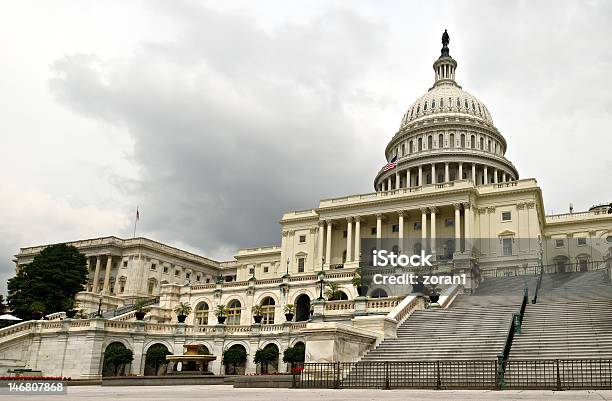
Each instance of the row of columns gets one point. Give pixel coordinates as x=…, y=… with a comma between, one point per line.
x=355, y=243
x=107, y=273
x=387, y=185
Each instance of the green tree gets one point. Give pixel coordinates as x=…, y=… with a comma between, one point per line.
x=233, y=357
x=117, y=356
x=266, y=356
x=333, y=292
x=2, y=304
x=156, y=356
x=294, y=354
x=55, y=275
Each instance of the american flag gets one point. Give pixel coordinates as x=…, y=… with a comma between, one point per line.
x=391, y=164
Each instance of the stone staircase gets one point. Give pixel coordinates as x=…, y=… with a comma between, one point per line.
x=474, y=332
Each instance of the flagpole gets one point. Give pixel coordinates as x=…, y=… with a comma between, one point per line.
x=136, y=221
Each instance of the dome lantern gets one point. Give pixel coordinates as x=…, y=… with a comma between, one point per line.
x=445, y=66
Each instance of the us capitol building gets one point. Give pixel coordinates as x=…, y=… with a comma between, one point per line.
x=447, y=187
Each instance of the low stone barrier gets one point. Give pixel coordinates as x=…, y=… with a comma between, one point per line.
x=264, y=381
x=163, y=380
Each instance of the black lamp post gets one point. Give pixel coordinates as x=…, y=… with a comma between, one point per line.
x=99, y=314
x=287, y=266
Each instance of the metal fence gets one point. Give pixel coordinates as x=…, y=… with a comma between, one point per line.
x=556, y=374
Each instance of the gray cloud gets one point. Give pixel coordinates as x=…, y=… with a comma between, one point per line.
x=232, y=124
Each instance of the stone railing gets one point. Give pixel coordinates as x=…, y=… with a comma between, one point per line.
x=339, y=305
x=19, y=328
x=383, y=303
x=405, y=308
x=56, y=316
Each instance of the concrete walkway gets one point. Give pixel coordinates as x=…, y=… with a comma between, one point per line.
x=224, y=392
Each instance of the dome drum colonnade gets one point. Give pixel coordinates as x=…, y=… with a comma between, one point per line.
x=446, y=135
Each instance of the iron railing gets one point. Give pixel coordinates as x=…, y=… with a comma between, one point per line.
x=515, y=328
x=555, y=374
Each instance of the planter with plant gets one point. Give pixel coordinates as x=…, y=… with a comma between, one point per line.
x=434, y=293
x=257, y=311
x=358, y=282
x=140, y=309
x=221, y=313
x=289, y=312
x=182, y=310
x=37, y=309
x=264, y=357
x=69, y=306
x=333, y=292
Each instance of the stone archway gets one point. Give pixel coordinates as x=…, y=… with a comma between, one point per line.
x=302, y=308
x=238, y=368
x=114, y=369
x=155, y=363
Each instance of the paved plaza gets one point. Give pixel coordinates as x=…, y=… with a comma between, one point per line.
x=226, y=392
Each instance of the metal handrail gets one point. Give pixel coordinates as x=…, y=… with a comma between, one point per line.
x=515, y=328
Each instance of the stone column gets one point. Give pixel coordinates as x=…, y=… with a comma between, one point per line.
x=424, y=227
x=495, y=176
x=407, y=178
x=460, y=173
x=503, y=177
x=474, y=173
x=486, y=175
x=357, y=239
x=420, y=176
x=397, y=179
x=349, y=239
x=401, y=230
x=468, y=228
x=378, y=226
x=329, y=244
x=96, y=274
x=107, y=272
x=321, y=238
x=457, y=227
x=389, y=187
x=433, y=173
x=433, y=211
x=446, y=173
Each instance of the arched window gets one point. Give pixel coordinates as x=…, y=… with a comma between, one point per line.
x=378, y=293
x=267, y=310
x=458, y=103
x=418, y=109
x=440, y=141
x=452, y=140
x=466, y=104
x=433, y=103
x=410, y=147
x=425, y=106
x=429, y=142
x=481, y=144
x=462, y=141
x=201, y=314
x=473, y=142
x=441, y=103
x=403, y=149
x=233, y=313
x=420, y=144
x=151, y=286
x=489, y=146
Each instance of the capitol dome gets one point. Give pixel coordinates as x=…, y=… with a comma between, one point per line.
x=446, y=135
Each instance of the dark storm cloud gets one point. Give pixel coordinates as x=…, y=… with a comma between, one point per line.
x=234, y=124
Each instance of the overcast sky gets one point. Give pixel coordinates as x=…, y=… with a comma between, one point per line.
x=216, y=117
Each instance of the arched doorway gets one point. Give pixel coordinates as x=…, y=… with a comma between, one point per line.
x=302, y=308
x=155, y=360
x=560, y=263
x=378, y=293
x=234, y=359
x=116, y=359
x=272, y=366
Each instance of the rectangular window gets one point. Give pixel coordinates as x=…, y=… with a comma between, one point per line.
x=153, y=266
x=302, y=239
x=251, y=271
x=506, y=216
x=166, y=269
x=177, y=273
x=373, y=231
x=265, y=269
x=395, y=228
x=125, y=263
x=559, y=243
x=187, y=276
x=507, y=246
x=197, y=278
x=582, y=241
x=449, y=222
x=301, y=262
x=417, y=226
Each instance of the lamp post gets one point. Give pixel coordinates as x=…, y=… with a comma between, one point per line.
x=287, y=266
x=99, y=314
